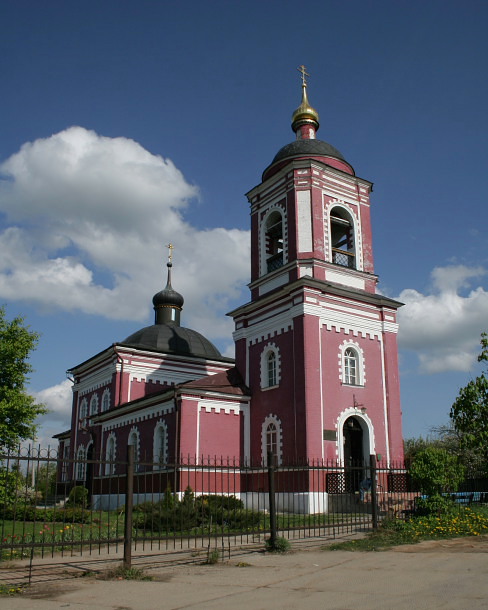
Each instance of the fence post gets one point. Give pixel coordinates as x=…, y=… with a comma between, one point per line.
x=129, y=493
x=374, y=502
x=272, y=503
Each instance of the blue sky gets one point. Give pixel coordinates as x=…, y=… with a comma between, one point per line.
x=124, y=125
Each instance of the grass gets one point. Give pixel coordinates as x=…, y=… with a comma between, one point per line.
x=457, y=523
x=123, y=573
x=10, y=590
x=18, y=537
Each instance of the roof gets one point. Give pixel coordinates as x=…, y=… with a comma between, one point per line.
x=227, y=382
x=307, y=147
x=172, y=339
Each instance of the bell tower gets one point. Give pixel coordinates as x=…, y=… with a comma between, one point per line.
x=316, y=344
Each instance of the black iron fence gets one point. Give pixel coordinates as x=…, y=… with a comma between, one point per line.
x=54, y=506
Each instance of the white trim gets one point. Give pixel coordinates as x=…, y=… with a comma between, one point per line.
x=360, y=369
x=160, y=445
x=272, y=419
x=134, y=433
x=367, y=427
x=105, y=398
x=110, y=468
x=267, y=349
x=263, y=218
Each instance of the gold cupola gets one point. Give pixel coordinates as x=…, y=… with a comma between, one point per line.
x=305, y=116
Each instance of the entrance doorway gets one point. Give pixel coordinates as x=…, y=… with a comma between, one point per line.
x=353, y=454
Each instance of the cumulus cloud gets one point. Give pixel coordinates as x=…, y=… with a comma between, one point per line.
x=57, y=399
x=444, y=326
x=87, y=218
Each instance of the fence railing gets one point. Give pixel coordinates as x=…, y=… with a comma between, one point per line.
x=191, y=504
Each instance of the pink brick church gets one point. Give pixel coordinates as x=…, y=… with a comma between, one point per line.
x=315, y=376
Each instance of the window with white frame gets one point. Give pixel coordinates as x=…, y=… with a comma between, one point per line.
x=350, y=367
x=270, y=366
x=83, y=408
x=351, y=363
x=81, y=463
x=134, y=440
x=342, y=238
x=271, y=439
x=94, y=404
x=106, y=400
x=160, y=445
x=110, y=454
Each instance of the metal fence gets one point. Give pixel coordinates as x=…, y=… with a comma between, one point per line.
x=195, y=505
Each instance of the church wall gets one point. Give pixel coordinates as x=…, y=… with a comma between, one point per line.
x=279, y=401
x=368, y=397
x=393, y=396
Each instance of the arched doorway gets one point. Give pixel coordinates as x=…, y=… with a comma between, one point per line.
x=353, y=453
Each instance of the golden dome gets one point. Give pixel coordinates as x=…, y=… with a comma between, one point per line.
x=305, y=114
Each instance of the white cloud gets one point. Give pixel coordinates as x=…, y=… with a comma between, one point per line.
x=444, y=327
x=58, y=400
x=81, y=207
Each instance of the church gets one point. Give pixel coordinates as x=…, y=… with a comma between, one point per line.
x=315, y=376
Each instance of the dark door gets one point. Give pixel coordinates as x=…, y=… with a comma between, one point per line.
x=353, y=454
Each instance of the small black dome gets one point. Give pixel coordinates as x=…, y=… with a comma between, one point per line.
x=314, y=148
x=172, y=339
x=168, y=297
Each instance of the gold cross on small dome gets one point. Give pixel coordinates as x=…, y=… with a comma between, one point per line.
x=170, y=253
x=304, y=73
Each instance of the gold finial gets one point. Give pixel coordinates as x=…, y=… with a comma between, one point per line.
x=170, y=253
x=305, y=115
x=304, y=73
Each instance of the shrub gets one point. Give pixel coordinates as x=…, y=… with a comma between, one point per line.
x=436, y=471
x=78, y=496
x=280, y=545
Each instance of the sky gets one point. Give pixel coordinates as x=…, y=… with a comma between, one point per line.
x=126, y=125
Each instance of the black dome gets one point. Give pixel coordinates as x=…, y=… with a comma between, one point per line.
x=168, y=297
x=315, y=148
x=173, y=339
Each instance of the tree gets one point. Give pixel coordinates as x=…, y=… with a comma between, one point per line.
x=469, y=413
x=436, y=471
x=18, y=410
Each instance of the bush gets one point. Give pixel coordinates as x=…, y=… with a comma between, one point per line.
x=78, y=496
x=434, y=505
x=280, y=545
x=202, y=512
x=436, y=471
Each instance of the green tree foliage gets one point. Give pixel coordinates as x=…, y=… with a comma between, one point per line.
x=18, y=410
x=436, y=471
x=469, y=413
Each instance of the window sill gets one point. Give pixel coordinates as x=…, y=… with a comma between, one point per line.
x=352, y=385
x=270, y=387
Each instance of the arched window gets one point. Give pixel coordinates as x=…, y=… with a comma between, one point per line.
x=270, y=366
x=351, y=358
x=110, y=455
x=81, y=463
x=106, y=400
x=83, y=409
x=271, y=369
x=94, y=404
x=274, y=241
x=271, y=439
x=350, y=367
x=342, y=238
x=160, y=446
x=134, y=440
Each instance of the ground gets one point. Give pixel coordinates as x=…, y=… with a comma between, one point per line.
x=433, y=574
